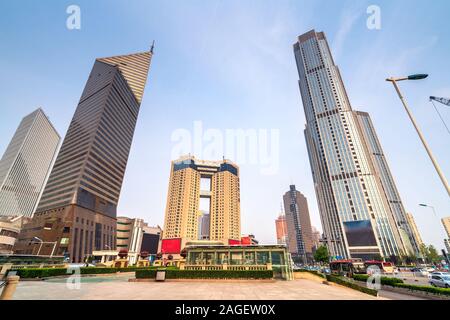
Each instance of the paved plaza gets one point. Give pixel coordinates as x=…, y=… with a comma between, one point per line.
x=118, y=287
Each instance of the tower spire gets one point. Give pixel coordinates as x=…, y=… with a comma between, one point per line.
x=152, y=47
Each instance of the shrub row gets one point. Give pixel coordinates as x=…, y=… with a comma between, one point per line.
x=429, y=289
x=206, y=274
x=351, y=285
x=395, y=282
x=29, y=273
x=384, y=280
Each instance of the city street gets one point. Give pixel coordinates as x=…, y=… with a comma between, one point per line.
x=118, y=287
x=411, y=278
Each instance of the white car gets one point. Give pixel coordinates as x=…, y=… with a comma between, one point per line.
x=418, y=272
x=442, y=281
x=438, y=273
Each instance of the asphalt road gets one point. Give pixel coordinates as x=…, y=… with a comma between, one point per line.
x=411, y=278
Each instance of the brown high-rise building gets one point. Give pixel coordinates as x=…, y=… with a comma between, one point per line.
x=299, y=240
x=281, y=229
x=203, y=203
x=77, y=210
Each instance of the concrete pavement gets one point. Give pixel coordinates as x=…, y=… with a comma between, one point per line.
x=118, y=287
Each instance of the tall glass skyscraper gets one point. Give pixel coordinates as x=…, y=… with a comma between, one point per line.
x=361, y=211
x=78, y=206
x=298, y=223
x=26, y=163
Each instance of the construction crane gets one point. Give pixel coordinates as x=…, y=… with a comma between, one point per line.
x=445, y=102
x=441, y=100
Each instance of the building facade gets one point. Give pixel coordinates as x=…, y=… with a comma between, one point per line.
x=415, y=231
x=203, y=203
x=78, y=206
x=249, y=240
x=361, y=213
x=446, y=224
x=281, y=229
x=26, y=163
x=136, y=236
x=240, y=257
x=130, y=232
x=298, y=223
x=316, y=238
x=9, y=232
x=151, y=240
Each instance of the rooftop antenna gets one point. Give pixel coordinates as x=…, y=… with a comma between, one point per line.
x=152, y=47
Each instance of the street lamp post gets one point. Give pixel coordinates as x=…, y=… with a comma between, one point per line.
x=42, y=242
x=411, y=117
x=428, y=206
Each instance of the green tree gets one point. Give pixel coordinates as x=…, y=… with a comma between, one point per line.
x=321, y=254
x=378, y=257
x=410, y=259
x=429, y=253
x=433, y=254
x=424, y=251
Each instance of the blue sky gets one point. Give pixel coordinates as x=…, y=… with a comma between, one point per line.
x=230, y=64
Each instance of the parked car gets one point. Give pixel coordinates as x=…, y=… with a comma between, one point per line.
x=325, y=270
x=442, y=281
x=418, y=272
x=438, y=273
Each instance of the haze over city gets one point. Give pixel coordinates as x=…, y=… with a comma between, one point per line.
x=230, y=65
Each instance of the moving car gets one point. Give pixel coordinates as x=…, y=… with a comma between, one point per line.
x=325, y=270
x=347, y=267
x=442, y=281
x=384, y=267
x=418, y=272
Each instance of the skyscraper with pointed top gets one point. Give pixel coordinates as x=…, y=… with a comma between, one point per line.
x=78, y=206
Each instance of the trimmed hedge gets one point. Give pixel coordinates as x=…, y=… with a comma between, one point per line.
x=351, y=285
x=398, y=283
x=29, y=273
x=94, y=270
x=429, y=289
x=388, y=281
x=206, y=274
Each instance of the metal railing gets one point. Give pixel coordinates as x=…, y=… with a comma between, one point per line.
x=228, y=267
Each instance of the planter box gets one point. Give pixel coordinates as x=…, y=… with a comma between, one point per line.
x=161, y=275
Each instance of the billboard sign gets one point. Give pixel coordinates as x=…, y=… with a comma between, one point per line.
x=360, y=233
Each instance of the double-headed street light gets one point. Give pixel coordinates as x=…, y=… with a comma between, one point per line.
x=427, y=148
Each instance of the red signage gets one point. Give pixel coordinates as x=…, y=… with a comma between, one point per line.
x=232, y=242
x=246, y=241
x=171, y=246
